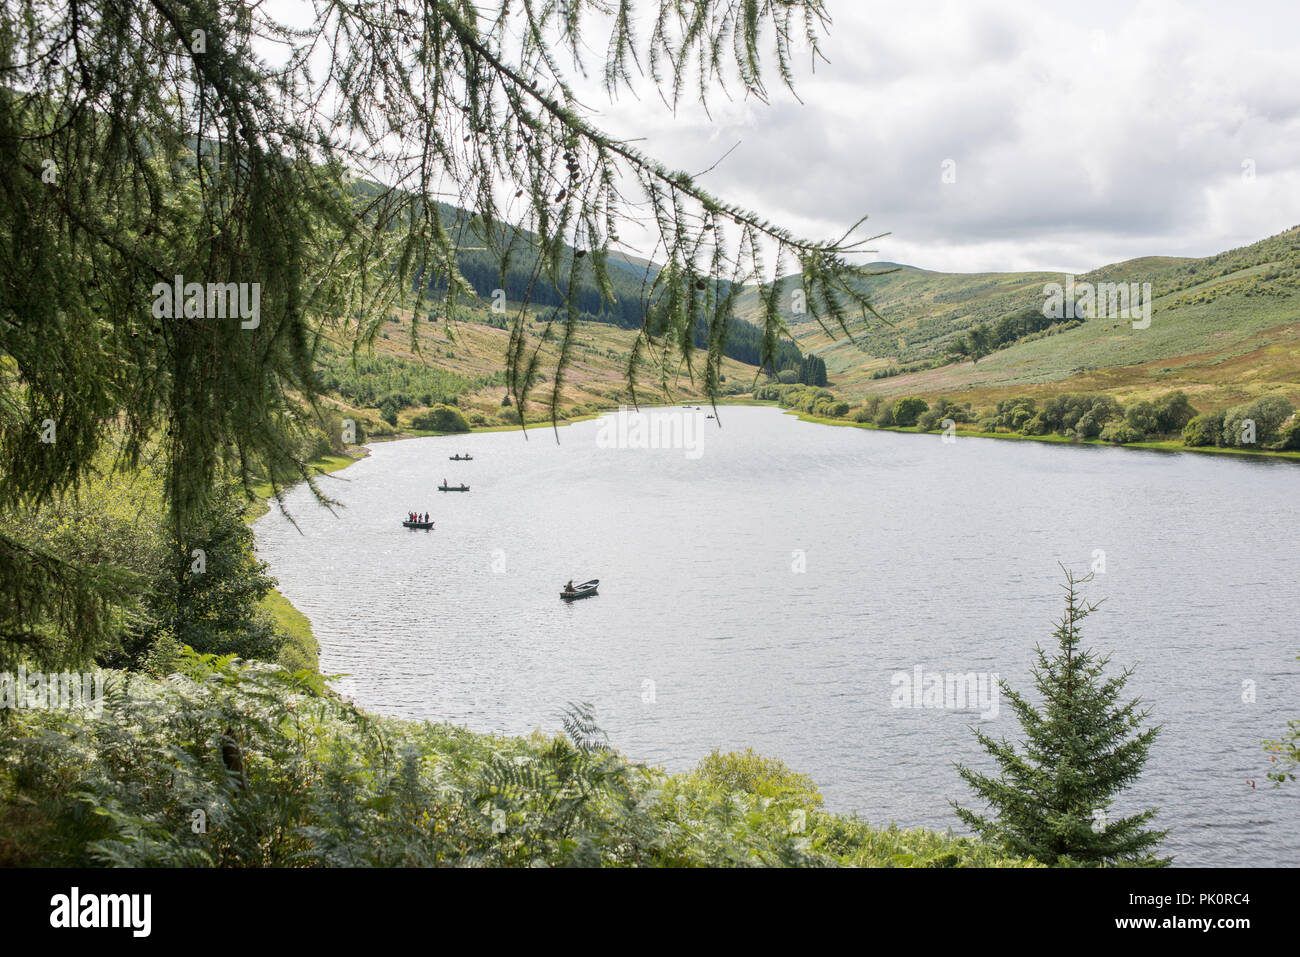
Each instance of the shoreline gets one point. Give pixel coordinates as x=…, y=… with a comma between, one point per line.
x=1166, y=446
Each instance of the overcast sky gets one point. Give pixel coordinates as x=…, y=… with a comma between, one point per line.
x=1079, y=134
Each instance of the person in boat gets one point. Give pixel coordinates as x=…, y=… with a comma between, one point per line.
x=569, y=587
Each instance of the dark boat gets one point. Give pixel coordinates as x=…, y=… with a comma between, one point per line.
x=585, y=590
x=453, y=488
x=425, y=525
x=460, y=458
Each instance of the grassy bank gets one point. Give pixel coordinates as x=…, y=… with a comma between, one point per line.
x=301, y=651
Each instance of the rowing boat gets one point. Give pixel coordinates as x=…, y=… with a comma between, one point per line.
x=585, y=590
x=453, y=488
x=425, y=525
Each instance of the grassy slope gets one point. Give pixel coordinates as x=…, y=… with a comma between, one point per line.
x=596, y=377
x=301, y=651
x=1225, y=329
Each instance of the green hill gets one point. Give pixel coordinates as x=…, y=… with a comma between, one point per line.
x=1225, y=328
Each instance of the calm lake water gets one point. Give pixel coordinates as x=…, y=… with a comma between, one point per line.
x=764, y=587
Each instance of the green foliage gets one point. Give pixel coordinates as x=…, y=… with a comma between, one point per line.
x=1121, y=433
x=812, y=370
x=1267, y=414
x=868, y=410
x=286, y=776
x=908, y=410
x=1013, y=414
x=1081, y=749
x=1141, y=419
x=203, y=589
x=1173, y=411
x=379, y=381
x=1289, y=436
x=801, y=398
x=979, y=342
x=441, y=418
x=1203, y=430
x=301, y=650
x=943, y=409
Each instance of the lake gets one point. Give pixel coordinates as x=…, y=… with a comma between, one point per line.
x=772, y=584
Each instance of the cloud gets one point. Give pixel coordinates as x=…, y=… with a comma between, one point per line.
x=1079, y=135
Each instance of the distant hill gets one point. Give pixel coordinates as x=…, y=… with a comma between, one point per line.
x=1225, y=328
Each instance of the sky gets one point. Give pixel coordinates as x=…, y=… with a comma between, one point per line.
x=1012, y=135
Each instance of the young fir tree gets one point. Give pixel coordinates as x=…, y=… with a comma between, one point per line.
x=1082, y=748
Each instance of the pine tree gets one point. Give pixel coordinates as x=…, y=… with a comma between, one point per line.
x=1082, y=748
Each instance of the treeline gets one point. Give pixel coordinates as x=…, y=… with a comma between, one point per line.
x=802, y=398
x=744, y=341
x=1024, y=325
x=625, y=311
x=1268, y=424
x=745, y=344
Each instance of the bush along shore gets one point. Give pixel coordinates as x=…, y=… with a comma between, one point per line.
x=1266, y=426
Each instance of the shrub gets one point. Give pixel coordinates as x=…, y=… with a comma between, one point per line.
x=831, y=408
x=1014, y=413
x=1173, y=411
x=441, y=418
x=1289, y=435
x=1121, y=433
x=1202, y=430
x=908, y=410
x=1142, y=418
x=868, y=410
x=1035, y=426
x=1087, y=427
x=1267, y=414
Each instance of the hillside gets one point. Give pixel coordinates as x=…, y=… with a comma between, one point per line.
x=461, y=363
x=1225, y=329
